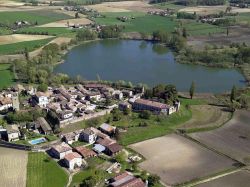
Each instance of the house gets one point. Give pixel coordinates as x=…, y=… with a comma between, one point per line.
x=41, y=99
x=124, y=105
x=88, y=135
x=71, y=137
x=98, y=148
x=85, y=152
x=94, y=96
x=63, y=115
x=15, y=102
x=106, y=128
x=13, y=133
x=113, y=149
x=61, y=150
x=5, y=103
x=118, y=95
x=127, y=93
x=126, y=180
x=43, y=126
x=153, y=106
x=73, y=160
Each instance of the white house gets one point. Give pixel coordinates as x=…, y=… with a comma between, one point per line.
x=88, y=135
x=13, y=133
x=61, y=150
x=5, y=103
x=73, y=160
x=42, y=99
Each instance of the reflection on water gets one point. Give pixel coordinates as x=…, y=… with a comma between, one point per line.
x=145, y=62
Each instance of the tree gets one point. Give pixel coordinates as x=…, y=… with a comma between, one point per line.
x=117, y=134
x=42, y=87
x=127, y=111
x=192, y=90
x=153, y=180
x=233, y=94
x=184, y=32
x=145, y=114
x=26, y=53
x=77, y=15
x=89, y=181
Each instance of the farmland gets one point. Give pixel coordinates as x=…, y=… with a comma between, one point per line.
x=205, y=116
x=15, y=38
x=239, y=179
x=41, y=17
x=13, y=167
x=42, y=171
x=172, y=157
x=20, y=46
x=6, y=77
x=232, y=139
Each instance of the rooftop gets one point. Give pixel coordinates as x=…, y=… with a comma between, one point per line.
x=72, y=156
x=63, y=147
x=151, y=103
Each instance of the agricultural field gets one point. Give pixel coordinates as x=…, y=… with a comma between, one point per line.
x=67, y=22
x=232, y=139
x=206, y=116
x=15, y=38
x=169, y=5
x=41, y=17
x=20, y=46
x=42, y=171
x=178, y=160
x=53, y=31
x=239, y=179
x=13, y=167
x=141, y=23
x=6, y=76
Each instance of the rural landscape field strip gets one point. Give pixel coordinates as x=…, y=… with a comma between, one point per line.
x=13, y=165
x=178, y=160
x=232, y=139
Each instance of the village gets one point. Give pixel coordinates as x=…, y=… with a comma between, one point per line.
x=70, y=104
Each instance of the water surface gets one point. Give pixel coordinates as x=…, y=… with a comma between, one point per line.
x=144, y=62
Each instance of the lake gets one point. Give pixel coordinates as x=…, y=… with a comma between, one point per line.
x=144, y=62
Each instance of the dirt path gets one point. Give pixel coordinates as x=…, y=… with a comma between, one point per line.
x=6, y=58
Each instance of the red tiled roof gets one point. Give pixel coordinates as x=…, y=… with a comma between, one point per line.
x=72, y=156
x=85, y=152
x=114, y=148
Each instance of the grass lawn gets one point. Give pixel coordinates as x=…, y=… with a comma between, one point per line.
x=243, y=18
x=55, y=31
x=78, y=143
x=6, y=76
x=141, y=23
x=42, y=17
x=91, y=171
x=19, y=47
x=42, y=171
x=156, y=126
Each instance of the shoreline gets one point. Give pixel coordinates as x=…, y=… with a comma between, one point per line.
x=139, y=38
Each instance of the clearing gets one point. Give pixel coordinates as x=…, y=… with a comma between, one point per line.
x=204, y=116
x=15, y=38
x=67, y=22
x=233, y=139
x=13, y=165
x=239, y=179
x=177, y=160
x=43, y=171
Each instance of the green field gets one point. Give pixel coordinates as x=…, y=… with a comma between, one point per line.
x=6, y=76
x=55, y=31
x=42, y=17
x=149, y=23
x=156, y=126
x=42, y=171
x=195, y=28
x=19, y=47
x=141, y=23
